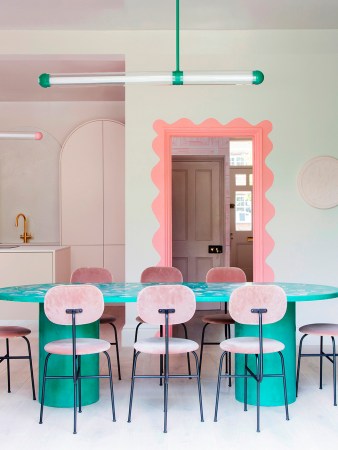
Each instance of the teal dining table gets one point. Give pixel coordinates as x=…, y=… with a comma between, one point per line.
x=58, y=393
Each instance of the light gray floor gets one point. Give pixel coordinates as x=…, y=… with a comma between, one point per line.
x=313, y=418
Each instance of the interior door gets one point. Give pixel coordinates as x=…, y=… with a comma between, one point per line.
x=241, y=225
x=197, y=211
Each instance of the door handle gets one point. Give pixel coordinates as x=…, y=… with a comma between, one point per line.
x=249, y=239
x=215, y=249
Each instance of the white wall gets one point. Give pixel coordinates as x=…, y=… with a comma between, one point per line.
x=298, y=96
x=29, y=181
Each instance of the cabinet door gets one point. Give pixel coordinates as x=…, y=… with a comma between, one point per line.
x=82, y=186
x=113, y=180
x=86, y=256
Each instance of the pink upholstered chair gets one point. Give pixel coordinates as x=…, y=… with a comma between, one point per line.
x=162, y=274
x=99, y=275
x=255, y=305
x=165, y=305
x=320, y=330
x=11, y=332
x=221, y=275
x=75, y=305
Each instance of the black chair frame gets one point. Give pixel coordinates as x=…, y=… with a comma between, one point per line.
x=166, y=376
x=329, y=356
x=76, y=376
x=7, y=357
x=248, y=373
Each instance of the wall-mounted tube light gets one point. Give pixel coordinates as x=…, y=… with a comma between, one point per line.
x=161, y=78
x=37, y=136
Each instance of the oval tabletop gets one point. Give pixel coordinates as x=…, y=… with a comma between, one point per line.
x=205, y=292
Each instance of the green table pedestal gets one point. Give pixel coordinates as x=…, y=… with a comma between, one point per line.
x=59, y=393
x=272, y=393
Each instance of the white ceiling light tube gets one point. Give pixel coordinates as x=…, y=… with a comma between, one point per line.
x=35, y=135
x=160, y=78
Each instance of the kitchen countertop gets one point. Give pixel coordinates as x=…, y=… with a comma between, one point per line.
x=30, y=248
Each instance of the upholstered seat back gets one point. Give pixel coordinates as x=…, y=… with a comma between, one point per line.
x=91, y=275
x=178, y=297
x=161, y=274
x=246, y=298
x=225, y=275
x=84, y=296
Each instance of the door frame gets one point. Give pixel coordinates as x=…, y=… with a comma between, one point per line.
x=262, y=175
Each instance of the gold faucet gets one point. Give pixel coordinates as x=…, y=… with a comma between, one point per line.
x=25, y=236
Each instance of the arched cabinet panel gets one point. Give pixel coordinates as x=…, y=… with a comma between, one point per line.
x=92, y=195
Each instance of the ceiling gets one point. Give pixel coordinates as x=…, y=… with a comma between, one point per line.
x=134, y=15
x=160, y=14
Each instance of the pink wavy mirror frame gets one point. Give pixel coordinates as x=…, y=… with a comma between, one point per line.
x=263, y=179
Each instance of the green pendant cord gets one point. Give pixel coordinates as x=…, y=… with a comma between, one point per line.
x=177, y=74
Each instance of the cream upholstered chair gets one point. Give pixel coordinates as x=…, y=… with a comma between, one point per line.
x=11, y=332
x=320, y=330
x=99, y=275
x=75, y=305
x=165, y=305
x=221, y=275
x=162, y=274
x=255, y=305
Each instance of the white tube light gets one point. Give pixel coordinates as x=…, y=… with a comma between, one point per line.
x=202, y=78
x=37, y=136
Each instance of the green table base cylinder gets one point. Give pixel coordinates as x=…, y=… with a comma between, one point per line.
x=272, y=393
x=59, y=393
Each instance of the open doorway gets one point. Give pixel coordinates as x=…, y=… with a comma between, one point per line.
x=162, y=178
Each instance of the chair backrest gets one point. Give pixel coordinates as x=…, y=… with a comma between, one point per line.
x=178, y=297
x=245, y=298
x=91, y=275
x=161, y=274
x=85, y=296
x=225, y=275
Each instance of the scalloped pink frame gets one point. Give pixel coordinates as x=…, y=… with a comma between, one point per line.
x=263, y=179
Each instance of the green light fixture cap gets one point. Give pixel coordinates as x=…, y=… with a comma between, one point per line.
x=258, y=77
x=177, y=77
x=44, y=80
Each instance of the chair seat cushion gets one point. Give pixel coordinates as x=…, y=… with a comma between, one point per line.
x=84, y=346
x=320, y=329
x=156, y=345
x=221, y=319
x=250, y=345
x=107, y=318
x=11, y=332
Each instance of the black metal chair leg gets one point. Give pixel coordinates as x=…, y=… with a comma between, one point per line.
x=111, y=386
x=116, y=343
x=245, y=383
x=298, y=363
x=188, y=354
x=199, y=386
x=30, y=365
x=321, y=364
x=284, y=387
x=75, y=394
x=227, y=358
x=165, y=391
x=132, y=384
x=258, y=401
x=202, y=346
x=79, y=382
x=8, y=368
x=218, y=384
x=43, y=387
x=334, y=371
x=229, y=355
x=161, y=358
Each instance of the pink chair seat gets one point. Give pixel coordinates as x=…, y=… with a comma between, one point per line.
x=219, y=319
x=84, y=346
x=11, y=332
x=320, y=329
x=138, y=318
x=107, y=318
x=156, y=346
x=250, y=345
